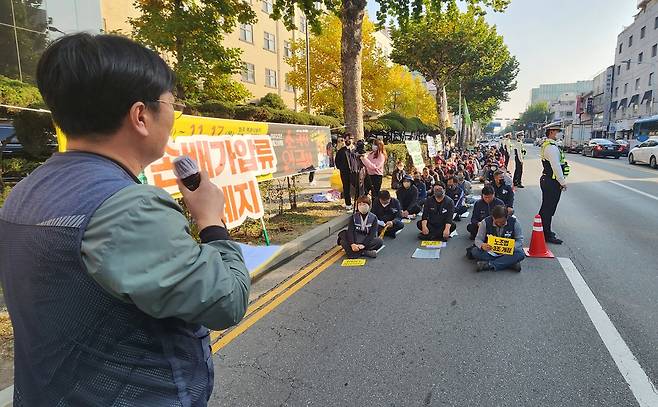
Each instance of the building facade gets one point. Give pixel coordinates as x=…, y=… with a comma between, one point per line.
x=565, y=107
x=636, y=59
x=551, y=92
x=602, y=88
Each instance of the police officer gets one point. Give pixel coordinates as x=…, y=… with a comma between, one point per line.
x=552, y=182
x=519, y=152
x=438, y=213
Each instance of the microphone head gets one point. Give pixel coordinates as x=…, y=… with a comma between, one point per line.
x=184, y=167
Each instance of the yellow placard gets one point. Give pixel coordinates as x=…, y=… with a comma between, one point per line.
x=432, y=244
x=353, y=262
x=501, y=245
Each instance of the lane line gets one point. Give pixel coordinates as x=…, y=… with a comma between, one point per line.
x=263, y=299
x=635, y=190
x=638, y=381
x=256, y=316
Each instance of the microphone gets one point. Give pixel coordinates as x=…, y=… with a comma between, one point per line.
x=187, y=170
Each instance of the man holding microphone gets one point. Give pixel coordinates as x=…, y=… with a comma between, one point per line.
x=109, y=295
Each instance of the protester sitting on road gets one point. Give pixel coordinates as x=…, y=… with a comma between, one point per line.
x=360, y=238
x=389, y=213
x=422, y=188
x=482, y=209
x=397, y=176
x=465, y=185
x=408, y=197
x=428, y=179
x=110, y=297
x=503, y=191
x=458, y=197
x=499, y=224
x=436, y=223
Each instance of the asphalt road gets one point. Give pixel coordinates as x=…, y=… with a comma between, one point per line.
x=408, y=332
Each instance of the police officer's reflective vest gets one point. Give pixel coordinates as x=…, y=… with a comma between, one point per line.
x=548, y=170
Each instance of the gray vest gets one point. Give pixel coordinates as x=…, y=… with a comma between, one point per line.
x=75, y=344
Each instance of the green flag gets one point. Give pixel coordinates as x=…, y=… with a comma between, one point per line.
x=467, y=115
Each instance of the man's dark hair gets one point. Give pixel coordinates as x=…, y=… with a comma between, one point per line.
x=91, y=81
x=497, y=173
x=498, y=212
x=385, y=195
x=487, y=190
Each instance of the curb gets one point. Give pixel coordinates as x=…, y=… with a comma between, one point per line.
x=7, y=397
x=308, y=239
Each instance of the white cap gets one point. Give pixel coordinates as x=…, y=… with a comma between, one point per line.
x=184, y=166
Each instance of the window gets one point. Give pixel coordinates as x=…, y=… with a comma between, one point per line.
x=637, y=84
x=643, y=31
x=269, y=42
x=270, y=78
x=617, y=91
x=287, y=49
x=630, y=41
x=247, y=33
x=569, y=114
x=302, y=23
x=267, y=6
x=289, y=88
x=654, y=50
x=248, y=73
x=619, y=70
x=621, y=46
x=625, y=88
x=640, y=56
x=651, y=79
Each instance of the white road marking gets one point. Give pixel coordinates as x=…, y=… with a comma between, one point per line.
x=635, y=190
x=638, y=381
x=7, y=397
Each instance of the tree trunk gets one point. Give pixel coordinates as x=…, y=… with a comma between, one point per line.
x=180, y=53
x=440, y=108
x=462, y=130
x=351, y=16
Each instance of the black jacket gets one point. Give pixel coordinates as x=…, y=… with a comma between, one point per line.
x=341, y=160
x=439, y=214
x=505, y=193
x=363, y=232
x=408, y=197
x=482, y=209
x=392, y=212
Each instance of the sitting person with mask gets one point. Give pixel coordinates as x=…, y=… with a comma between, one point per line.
x=408, y=197
x=360, y=238
x=420, y=185
x=482, y=209
x=499, y=224
x=458, y=197
x=503, y=191
x=389, y=213
x=436, y=223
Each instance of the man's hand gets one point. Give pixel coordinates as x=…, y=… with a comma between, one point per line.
x=361, y=247
x=563, y=187
x=355, y=247
x=389, y=224
x=446, y=233
x=206, y=203
x=425, y=230
x=510, y=211
x=486, y=247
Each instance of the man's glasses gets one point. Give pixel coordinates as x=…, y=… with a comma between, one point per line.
x=178, y=107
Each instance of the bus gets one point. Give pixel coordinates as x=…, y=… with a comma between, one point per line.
x=643, y=129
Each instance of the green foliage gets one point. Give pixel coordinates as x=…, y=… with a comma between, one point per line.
x=537, y=113
x=272, y=100
x=35, y=131
x=216, y=108
x=191, y=33
x=4, y=193
x=20, y=166
x=224, y=89
x=18, y=93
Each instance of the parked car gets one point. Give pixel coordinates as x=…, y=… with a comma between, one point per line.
x=646, y=152
x=624, y=145
x=528, y=140
x=600, y=147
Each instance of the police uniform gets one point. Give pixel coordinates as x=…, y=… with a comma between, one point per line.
x=555, y=170
x=519, y=151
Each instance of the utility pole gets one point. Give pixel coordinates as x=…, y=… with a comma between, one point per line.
x=461, y=121
x=308, y=68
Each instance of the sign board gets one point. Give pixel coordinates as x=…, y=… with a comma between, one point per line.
x=237, y=154
x=431, y=146
x=501, y=245
x=439, y=143
x=413, y=147
x=353, y=263
x=429, y=244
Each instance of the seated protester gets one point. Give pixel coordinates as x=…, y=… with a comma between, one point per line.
x=436, y=223
x=360, y=238
x=499, y=224
x=408, y=197
x=491, y=168
x=428, y=179
x=420, y=185
x=454, y=192
x=503, y=191
x=398, y=174
x=389, y=213
x=464, y=184
x=482, y=209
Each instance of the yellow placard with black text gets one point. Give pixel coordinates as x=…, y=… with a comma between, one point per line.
x=353, y=262
x=501, y=245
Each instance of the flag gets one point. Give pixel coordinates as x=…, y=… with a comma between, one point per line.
x=467, y=115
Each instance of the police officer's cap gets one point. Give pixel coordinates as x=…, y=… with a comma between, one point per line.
x=553, y=126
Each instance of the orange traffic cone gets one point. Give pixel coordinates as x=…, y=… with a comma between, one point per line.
x=537, y=243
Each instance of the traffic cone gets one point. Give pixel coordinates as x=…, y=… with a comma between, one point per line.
x=537, y=243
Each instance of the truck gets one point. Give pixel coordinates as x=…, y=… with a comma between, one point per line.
x=575, y=136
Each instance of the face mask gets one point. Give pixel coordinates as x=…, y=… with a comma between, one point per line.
x=374, y=148
x=406, y=184
x=364, y=209
x=493, y=168
x=439, y=195
x=400, y=168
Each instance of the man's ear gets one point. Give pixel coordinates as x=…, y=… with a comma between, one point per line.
x=137, y=117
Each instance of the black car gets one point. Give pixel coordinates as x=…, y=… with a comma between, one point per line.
x=600, y=147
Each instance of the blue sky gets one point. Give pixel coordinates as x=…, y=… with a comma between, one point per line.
x=557, y=40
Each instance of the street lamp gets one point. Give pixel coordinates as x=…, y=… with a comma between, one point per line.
x=55, y=29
